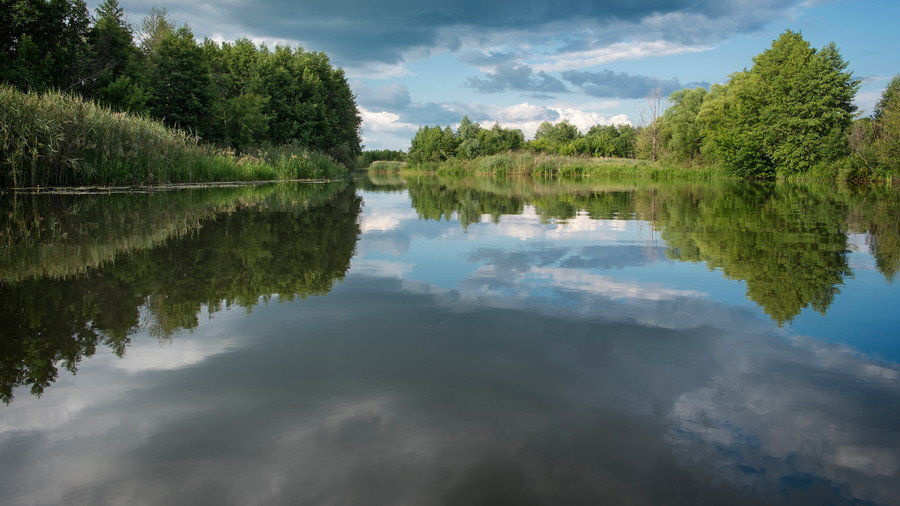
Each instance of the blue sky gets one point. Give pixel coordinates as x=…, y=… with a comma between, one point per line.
x=416, y=62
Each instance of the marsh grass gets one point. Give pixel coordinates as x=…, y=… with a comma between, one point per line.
x=58, y=139
x=386, y=166
x=550, y=166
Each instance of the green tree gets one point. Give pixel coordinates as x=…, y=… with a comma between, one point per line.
x=887, y=125
x=180, y=81
x=433, y=144
x=497, y=139
x=243, y=121
x=680, y=131
x=43, y=43
x=155, y=26
x=469, y=138
x=115, y=64
x=558, y=134
x=786, y=114
x=891, y=91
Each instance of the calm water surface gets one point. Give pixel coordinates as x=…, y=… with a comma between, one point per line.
x=445, y=341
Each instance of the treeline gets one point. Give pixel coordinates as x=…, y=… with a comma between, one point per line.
x=380, y=155
x=236, y=95
x=435, y=144
x=470, y=140
x=790, y=114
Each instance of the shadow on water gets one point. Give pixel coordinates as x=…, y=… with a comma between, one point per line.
x=80, y=271
x=788, y=242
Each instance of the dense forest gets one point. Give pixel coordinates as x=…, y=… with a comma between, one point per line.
x=791, y=113
x=237, y=96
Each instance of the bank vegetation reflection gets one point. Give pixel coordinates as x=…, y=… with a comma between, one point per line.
x=78, y=272
x=788, y=242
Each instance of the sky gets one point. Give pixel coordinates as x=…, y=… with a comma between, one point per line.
x=428, y=62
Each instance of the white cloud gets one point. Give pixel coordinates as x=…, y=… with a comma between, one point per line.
x=528, y=117
x=383, y=121
x=614, y=52
x=607, y=286
x=382, y=268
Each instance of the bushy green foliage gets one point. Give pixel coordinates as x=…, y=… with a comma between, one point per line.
x=560, y=133
x=549, y=166
x=43, y=44
x=235, y=95
x=887, y=125
x=497, y=140
x=181, y=86
x=681, y=132
x=386, y=165
x=600, y=141
x=115, y=66
x=891, y=92
x=436, y=144
x=61, y=139
x=786, y=114
x=433, y=144
x=375, y=155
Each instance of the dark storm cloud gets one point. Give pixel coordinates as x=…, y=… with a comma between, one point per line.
x=607, y=83
x=516, y=77
x=357, y=31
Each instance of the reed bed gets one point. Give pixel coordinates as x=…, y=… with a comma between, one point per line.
x=386, y=166
x=59, y=139
x=546, y=166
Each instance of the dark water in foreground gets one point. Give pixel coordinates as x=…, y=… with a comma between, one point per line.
x=451, y=341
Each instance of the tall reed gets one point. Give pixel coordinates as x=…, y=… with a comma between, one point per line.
x=58, y=139
x=543, y=165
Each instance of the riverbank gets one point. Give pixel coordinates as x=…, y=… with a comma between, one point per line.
x=548, y=166
x=57, y=139
x=543, y=165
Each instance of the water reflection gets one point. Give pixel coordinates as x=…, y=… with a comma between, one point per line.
x=789, y=243
x=84, y=271
x=491, y=342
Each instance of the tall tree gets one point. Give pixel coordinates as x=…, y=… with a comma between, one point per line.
x=43, y=43
x=180, y=81
x=114, y=73
x=786, y=114
x=680, y=130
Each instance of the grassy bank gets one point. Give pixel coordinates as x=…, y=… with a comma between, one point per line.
x=57, y=139
x=543, y=165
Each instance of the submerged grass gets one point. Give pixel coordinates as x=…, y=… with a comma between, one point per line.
x=58, y=139
x=549, y=166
